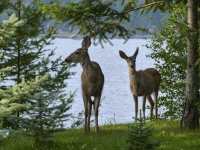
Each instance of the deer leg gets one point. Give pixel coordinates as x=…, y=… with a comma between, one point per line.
x=136, y=107
x=85, y=101
x=86, y=117
x=96, y=111
x=156, y=103
x=143, y=107
x=152, y=105
x=89, y=114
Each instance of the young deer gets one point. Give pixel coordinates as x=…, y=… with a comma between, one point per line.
x=142, y=83
x=92, y=79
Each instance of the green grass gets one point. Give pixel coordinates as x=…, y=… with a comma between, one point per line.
x=111, y=137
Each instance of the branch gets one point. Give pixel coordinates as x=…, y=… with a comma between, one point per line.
x=145, y=6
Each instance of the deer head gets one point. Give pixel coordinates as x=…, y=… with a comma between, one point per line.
x=131, y=60
x=81, y=53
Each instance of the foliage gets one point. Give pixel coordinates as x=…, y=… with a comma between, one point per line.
x=98, y=18
x=10, y=97
x=50, y=105
x=28, y=56
x=140, y=136
x=25, y=46
x=8, y=29
x=3, y=5
x=190, y=117
x=169, y=53
x=162, y=5
x=77, y=120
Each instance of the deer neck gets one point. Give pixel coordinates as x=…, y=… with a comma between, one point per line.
x=132, y=73
x=86, y=62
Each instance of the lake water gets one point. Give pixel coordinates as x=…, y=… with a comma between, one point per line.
x=117, y=104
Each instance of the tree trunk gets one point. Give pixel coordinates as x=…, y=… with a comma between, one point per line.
x=191, y=114
x=18, y=42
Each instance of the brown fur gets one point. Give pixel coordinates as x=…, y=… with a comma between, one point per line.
x=92, y=78
x=142, y=83
x=92, y=81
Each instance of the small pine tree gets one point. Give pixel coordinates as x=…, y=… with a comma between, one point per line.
x=24, y=47
x=11, y=96
x=140, y=136
x=50, y=105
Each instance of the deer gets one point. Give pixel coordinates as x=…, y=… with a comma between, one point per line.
x=92, y=81
x=142, y=83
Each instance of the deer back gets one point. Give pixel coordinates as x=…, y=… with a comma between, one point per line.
x=92, y=79
x=144, y=82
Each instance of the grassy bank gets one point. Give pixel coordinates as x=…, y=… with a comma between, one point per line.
x=112, y=137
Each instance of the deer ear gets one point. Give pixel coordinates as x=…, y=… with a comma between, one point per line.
x=123, y=55
x=86, y=42
x=136, y=52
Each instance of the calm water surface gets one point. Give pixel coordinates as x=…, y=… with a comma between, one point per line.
x=117, y=103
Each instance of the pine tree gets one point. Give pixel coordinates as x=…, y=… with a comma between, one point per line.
x=11, y=96
x=23, y=47
x=29, y=58
x=140, y=136
x=49, y=106
x=98, y=19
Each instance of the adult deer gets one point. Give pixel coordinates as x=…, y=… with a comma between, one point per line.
x=142, y=83
x=92, y=81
